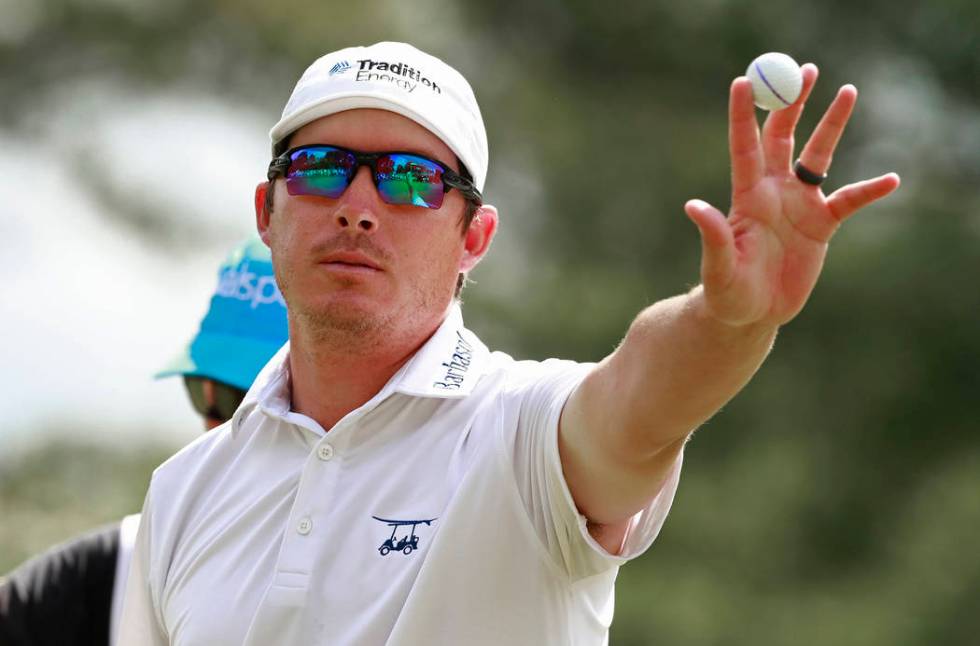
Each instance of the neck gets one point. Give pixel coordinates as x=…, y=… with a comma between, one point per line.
x=335, y=371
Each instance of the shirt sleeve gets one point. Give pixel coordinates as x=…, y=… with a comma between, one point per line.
x=127, y=541
x=141, y=623
x=541, y=481
x=62, y=596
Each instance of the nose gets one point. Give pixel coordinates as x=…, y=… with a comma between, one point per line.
x=359, y=220
x=358, y=208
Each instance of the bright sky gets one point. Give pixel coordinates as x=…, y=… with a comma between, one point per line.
x=90, y=306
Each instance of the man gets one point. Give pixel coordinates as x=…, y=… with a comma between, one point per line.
x=390, y=480
x=72, y=594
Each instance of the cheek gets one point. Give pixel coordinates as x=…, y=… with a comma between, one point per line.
x=288, y=229
x=441, y=253
x=282, y=244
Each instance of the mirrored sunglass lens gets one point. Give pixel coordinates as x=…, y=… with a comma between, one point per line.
x=407, y=179
x=324, y=172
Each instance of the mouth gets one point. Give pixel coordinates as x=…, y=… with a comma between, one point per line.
x=350, y=261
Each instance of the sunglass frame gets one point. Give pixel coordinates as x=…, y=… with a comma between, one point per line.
x=450, y=178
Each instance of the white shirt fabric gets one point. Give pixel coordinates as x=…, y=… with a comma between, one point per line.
x=124, y=556
x=270, y=530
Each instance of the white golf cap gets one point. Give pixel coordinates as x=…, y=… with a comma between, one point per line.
x=395, y=77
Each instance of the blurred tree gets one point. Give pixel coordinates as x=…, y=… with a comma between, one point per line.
x=66, y=486
x=835, y=500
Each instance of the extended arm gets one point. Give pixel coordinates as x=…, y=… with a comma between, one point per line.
x=684, y=357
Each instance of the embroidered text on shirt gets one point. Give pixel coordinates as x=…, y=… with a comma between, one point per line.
x=457, y=365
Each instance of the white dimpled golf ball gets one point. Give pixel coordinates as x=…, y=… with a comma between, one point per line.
x=776, y=81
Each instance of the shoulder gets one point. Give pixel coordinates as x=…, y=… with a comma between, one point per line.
x=229, y=458
x=516, y=378
x=175, y=476
x=529, y=395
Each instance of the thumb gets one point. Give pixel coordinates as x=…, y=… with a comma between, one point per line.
x=717, y=243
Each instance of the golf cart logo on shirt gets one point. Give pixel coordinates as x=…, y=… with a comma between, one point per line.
x=342, y=66
x=407, y=542
x=401, y=74
x=457, y=365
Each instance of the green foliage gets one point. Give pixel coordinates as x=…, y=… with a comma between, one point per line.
x=835, y=500
x=66, y=486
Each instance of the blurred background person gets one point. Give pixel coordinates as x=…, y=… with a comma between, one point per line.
x=72, y=594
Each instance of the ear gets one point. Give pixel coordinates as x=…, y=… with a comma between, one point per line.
x=478, y=237
x=262, y=214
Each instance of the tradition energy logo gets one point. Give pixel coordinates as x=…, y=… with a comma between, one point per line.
x=342, y=66
x=401, y=74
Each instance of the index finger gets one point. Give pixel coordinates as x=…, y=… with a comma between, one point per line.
x=743, y=137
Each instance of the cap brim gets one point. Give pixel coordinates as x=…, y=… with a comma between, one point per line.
x=352, y=101
x=231, y=360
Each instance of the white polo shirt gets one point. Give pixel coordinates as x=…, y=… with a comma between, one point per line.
x=436, y=513
x=124, y=556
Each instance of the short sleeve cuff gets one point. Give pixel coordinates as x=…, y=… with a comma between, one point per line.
x=644, y=526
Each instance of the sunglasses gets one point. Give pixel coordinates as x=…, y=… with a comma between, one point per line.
x=401, y=178
x=213, y=399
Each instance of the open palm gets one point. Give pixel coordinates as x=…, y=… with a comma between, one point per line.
x=760, y=263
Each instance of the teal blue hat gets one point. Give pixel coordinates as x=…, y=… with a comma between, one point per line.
x=245, y=325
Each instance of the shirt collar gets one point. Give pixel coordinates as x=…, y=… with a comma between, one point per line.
x=447, y=366
x=270, y=389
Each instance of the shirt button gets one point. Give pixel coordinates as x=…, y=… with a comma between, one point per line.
x=324, y=452
x=305, y=526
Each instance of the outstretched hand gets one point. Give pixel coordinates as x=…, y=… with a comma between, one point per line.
x=759, y=264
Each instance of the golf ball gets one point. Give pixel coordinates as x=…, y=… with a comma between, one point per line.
x=776, y=81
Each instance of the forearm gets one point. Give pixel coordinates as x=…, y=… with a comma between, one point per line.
x=677, y=367
x=624, y=426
